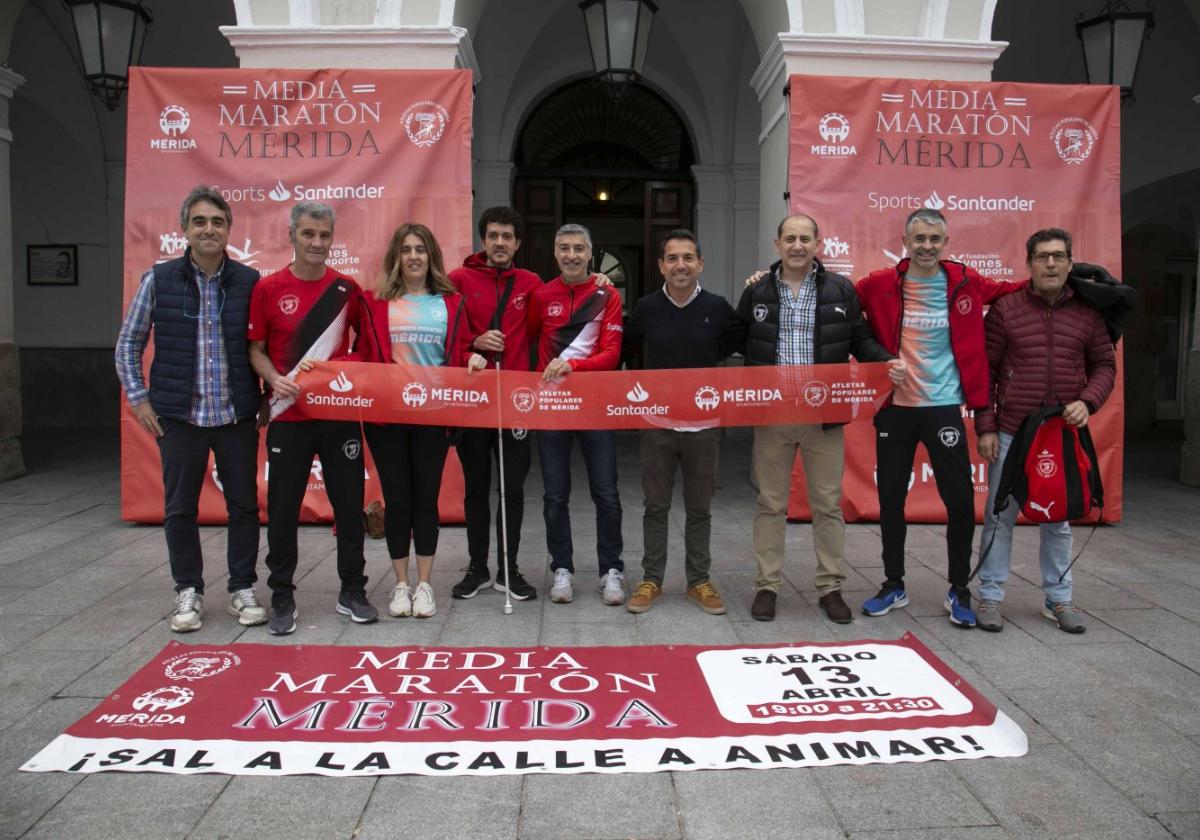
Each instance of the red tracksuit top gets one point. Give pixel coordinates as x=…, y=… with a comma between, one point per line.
x=967, y=292
x=482, y=286
x=581, y=324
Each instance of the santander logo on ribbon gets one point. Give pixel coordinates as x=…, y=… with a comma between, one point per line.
x=341, y=385
x=688, y=398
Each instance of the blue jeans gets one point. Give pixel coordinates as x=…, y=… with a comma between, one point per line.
x=600, y=457
x=1055, y=553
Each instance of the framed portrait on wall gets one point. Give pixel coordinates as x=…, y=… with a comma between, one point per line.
x=52, y=265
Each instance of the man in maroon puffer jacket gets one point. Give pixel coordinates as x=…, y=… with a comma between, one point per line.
x=1045, y=347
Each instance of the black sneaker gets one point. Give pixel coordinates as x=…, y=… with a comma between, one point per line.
x=283, y=619
x=518, y=587
x=474, y=581
x=356, y=605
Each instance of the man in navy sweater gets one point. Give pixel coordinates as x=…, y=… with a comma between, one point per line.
x=681, y=327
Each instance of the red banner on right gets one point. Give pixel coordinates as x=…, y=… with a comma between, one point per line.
x=1000, y=160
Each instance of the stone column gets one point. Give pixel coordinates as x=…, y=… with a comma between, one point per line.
x=714, y=226
x=114, y=182
x=12, y=463
x=492, y=182
x=746, y=225
x=1189, y=459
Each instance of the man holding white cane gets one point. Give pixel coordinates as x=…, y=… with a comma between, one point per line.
x=496, y=294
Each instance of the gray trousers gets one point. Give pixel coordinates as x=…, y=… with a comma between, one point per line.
x=695, y=454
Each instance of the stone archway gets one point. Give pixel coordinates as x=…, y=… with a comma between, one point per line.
x=620, y=167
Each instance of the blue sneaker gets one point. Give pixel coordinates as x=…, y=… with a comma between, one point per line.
x=960, y=610
x=889, y=598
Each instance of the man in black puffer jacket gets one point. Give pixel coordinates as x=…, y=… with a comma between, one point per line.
x=800, y=314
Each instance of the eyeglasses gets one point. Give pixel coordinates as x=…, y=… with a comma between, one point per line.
x=1051, y=256
x=207, y=318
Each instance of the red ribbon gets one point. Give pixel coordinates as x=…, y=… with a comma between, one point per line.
x=689, y=398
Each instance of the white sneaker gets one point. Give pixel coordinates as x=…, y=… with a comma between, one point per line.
x=244, y=604
x=422, y=602
x=401, y=604
x=562, y=592
x=612, y=588
x=189, y=606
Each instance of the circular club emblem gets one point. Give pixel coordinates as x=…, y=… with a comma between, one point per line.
x=520, y=434
x=424, y=123
x=1046, y=466
x=707, y=398
x=163, y=699
x=351, y=449
x=174, y=120
x=519, y=302
x=439, y=314
x=288, y=304
x=523, y=400
x=414, y=394
x=834, y=128
x=199, y=664
x=759, y=312
x=815, y=393
x=949, y=436
x=554, y=310
x=1074, y=138
x=964, y=305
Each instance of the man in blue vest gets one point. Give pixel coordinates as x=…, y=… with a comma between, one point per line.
x=203, y=396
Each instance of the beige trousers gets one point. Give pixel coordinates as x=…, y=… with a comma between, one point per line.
x=823, y=454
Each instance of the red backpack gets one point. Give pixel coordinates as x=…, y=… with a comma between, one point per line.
x=1051, y=470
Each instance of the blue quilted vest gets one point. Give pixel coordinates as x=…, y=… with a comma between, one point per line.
x=173, y=371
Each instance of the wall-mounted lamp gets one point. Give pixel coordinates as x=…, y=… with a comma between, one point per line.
x=1112, y=45
x=618, y=32
x=111, y=34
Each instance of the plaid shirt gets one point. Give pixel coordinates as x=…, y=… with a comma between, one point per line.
x=797, y=321
x=212, y=401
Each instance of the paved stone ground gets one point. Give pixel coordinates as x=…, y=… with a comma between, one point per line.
x=1113, y=716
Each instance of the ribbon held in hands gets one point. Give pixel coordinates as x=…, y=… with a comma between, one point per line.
x=688, y=398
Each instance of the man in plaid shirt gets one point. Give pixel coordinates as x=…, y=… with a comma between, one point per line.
x=797, y=316
x=203, y=395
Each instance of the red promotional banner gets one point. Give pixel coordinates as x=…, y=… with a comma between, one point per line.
x=694, y=398
x=382, y=147
x=355, y=711
x=1000, y=160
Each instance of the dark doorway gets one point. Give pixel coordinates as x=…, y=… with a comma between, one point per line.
x=621, y=167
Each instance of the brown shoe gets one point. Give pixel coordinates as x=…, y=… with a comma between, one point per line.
x=643, y=597
x=835, y=607
x=373, y=520
x=706, y=596
x=763, y=608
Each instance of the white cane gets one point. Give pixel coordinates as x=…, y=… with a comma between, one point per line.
x=508, y=607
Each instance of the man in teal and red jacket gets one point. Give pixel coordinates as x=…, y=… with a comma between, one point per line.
x=929, y=312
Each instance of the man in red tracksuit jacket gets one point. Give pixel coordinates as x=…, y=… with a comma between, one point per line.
x=581, y=330
x=929, y=312
x=1045, y=347
x=497, y=298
